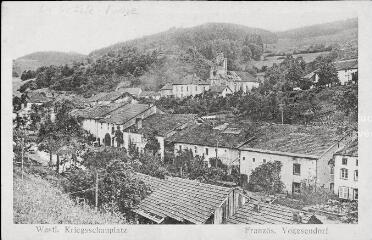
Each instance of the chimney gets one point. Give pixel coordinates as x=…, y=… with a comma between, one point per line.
x=257, y=207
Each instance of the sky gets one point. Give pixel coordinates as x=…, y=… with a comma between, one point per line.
x=85, y=26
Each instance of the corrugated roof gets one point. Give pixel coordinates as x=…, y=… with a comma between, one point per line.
x=297, y=139
x=268, y=214
x=184, y=200
x=164, y=123
x=346, y=64
x=351, y=149
x=125, y=113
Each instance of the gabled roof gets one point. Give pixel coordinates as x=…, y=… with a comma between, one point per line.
x=351, y=149
x=167, y=86
x=309, y=75
x=149, y=94
x=346, y=64
x=183, y=200
x=164, y=123
x=133, y=91
x=219, y=89
x=191, y=79
x=125, y=113
x=96, y=97
x=268, y=214
x=311, y=141
x=111, y=96
x=246, y=77
x=97, y=112
x=38, y=97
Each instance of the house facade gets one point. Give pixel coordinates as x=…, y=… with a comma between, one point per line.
x=190, y=85
x=347, y=70
x=166, y=90
x=346, y=172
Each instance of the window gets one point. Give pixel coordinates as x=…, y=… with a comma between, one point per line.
x=331, y=186
x=356, y=162
x=196, y=88
x=296, y=187
x=253, y=159
x=344, y=161
x=343, y=192
x=243, y=158
x=206, y=151
x=181, y=88
x=264, y=161
x=187, y=88
x=112, y=130
x=355, y=191
x=332, y=170
x=195, y=149
x=296, y=169
x=356, y=175
x=344, y=173
x=180, y=148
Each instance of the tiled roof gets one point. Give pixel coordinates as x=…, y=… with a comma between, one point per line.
x=96, y=97
x=191, y=79
x=205, y=135
x=296, y=139
x=77, y=101
x=346, y=64
x=167, y=86
x=164, y=123
x=98, y=111
x=149, y=94
x=351, y=149
x=153, y=182
x=268, y=214
x=218, y=89
x=246, y=77
x=111, y=96
x=183, y=199
x=38, y=97
x=133, y=91
x=123, y=114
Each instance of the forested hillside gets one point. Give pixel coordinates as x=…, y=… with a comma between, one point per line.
x=35, y=60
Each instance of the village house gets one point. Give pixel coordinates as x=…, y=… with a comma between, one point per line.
x=206, y=141
x=150, y=95
x=347, y=70
x=190, y=85
x=345, y=172
x=162, y=125
x=176, y=200
x=166, y=90
x=303, y=151
x=102, y=121
x=221, y=91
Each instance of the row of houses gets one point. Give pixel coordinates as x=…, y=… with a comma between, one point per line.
x=347, y=72
x=220, y=82
x=305, y=152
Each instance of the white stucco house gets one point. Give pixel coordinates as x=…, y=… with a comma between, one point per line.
x=347, y=70
x=345, y=172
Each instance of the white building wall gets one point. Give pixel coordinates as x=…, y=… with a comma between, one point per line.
x=140, y=142
x=345, y=75
x=351, y=182
x=228, y=156
x=181, y=91
x=308, y=166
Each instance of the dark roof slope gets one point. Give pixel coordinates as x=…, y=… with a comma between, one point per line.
x=268, y=214
x=183, y=199
x=229, y=135
x=297, y=139
x=125, y=113
x=346, y=64
x=191, y=79
x=351, y=149
x=164, y=123
x=149, y=94
x=246, y=77
x=98, y=111
x=111, y=96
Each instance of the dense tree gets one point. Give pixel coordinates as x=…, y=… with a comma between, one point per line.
x=152, y=143
x=266, y=178
x=28, y=74
x=327, y=74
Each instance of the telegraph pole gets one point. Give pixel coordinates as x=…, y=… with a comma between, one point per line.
x=281, y=109
x=216, y=153
x=96, y=207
